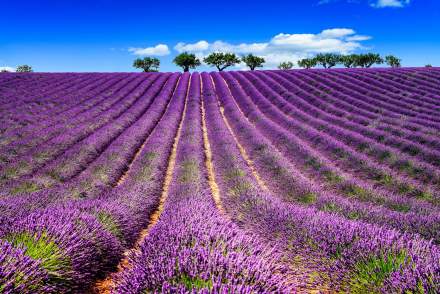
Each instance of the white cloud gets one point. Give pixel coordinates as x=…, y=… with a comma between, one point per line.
x=8, y=68
x=390, y=3
x=336, y=33
x=284, y=47
x=358, y=38
x=158, y=50
x=199, y=46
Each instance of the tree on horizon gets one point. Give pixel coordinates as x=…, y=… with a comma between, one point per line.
x=187, y=61
x=147, y=64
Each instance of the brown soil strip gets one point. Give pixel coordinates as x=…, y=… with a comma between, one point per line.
x=105, y=286
x=139, y=150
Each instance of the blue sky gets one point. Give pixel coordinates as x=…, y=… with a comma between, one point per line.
x=107, y=35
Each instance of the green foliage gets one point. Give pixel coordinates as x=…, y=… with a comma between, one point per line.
x=367, y=60
x=369, y=276
x=307, y=63
x=109, y=223
x=308, y=198
x=190, y=171
x=428, y=65
x=285, y=65
x=186, y=61
x=234, y=173
x=4, y=70
x=240, y=188
x=392, y=61
x=40, y=247
x=221, y=60
x=328, y=60
x=24, y=68
x=253, y=61
x=25, y=187
x=349, y=60
x=194, y=283
x=148, y=64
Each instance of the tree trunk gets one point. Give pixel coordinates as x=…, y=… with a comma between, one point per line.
x=186, y=69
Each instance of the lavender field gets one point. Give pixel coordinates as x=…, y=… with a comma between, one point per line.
x=309, y=181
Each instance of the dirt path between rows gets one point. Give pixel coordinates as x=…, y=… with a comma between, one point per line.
x=106, y=285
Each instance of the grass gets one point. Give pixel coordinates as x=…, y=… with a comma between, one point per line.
x=41, y=247
x=308, y=198
x=25, y=187
x=240, y=188
x=194, y=283
x=369, y=276
x=233, y=174
x=332, y=178
x=190, y=171
x=109, y=223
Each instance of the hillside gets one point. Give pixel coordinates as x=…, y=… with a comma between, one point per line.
x=265, y=181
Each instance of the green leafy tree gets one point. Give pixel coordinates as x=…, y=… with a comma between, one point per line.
x=148, y=64
x=428, y=65
x=307, y=62
x=186, y=61
x=24, y=68
x=4, y=70
x=367, y=60
x=221, y=60
x=253, y=61
x=392, y=61
x=285, y=65
x=349, y=60
x=328, y=60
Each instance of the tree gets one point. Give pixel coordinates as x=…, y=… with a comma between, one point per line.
x=307, y=63
x=253, y=61
x=392, y=61
x=285, y=65
x=4, y=70
x=148, y=64
x=367, y=60
x=186, y=61
x=349, y=60
x=24, y=68
x=221, y=60
x=328, y=60
x=428, y=65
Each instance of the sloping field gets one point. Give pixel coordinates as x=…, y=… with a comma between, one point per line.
x=266, y=181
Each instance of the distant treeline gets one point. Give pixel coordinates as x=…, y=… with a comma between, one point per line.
x=329, y=60
x=222, y=61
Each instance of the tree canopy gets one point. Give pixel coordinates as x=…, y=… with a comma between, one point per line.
x=285, y=65
x=186, y=61
x=367, y=60
x=328, y=60
x=392, y=61
x=24, y=68
x=253, y=61
x=148, y=64
x=307, y=62
x=221, y=60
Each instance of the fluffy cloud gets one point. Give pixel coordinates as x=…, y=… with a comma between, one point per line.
x=158, y=50
x=196, y=47
x=8, y=68
x=284, y=47
x=390, y=3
